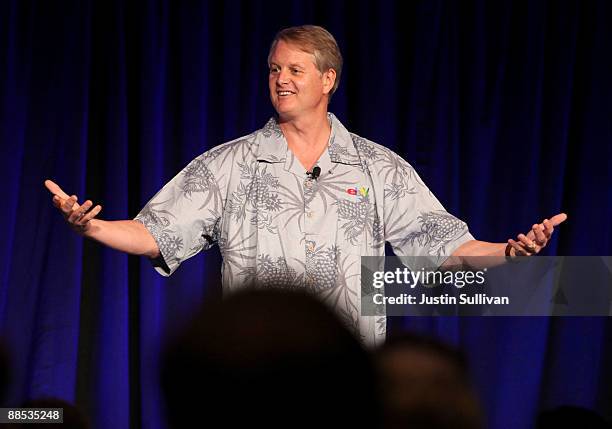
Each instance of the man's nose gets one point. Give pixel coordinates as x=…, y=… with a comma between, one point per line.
x=283, y=76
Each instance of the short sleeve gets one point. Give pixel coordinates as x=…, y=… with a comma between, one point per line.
x=416, y=224
x=183, y=217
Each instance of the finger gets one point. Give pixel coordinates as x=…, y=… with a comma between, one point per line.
x=55, y=189
x=531, y=235
x=92, y=214
x=557, y=219
x=83, y=212
x=518, y=249
x=548, y=228
x=57, y=201
x=529, y=245
x=76, y=215
x=540, y=238
x=68, y=205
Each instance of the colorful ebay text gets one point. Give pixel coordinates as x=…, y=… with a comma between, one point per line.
x=363, y=191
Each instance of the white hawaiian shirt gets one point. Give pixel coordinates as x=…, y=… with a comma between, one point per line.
x=276, y=225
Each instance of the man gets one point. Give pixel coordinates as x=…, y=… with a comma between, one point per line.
x=297, y=203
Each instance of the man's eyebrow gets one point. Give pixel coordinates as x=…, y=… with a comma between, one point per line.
x=300, y=65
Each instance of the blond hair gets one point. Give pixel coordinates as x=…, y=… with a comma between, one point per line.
x=317, y=41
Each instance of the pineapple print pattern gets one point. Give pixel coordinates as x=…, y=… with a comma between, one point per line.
x=356, y=217
x=275, y=273
x=366, y=150
x=321, y=266
x=158, y=223
x=275, y=227
x=438, y=228
x=154, y=220
x=271, y=129
x=198, y=178
x=169, y=245
x=256, y=195
x=337, y=151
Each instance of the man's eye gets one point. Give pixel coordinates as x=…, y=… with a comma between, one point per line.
x=295, y=71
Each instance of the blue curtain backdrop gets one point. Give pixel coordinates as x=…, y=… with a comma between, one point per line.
x=503, y=107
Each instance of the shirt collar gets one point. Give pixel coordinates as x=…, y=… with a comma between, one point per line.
x=341, y=147
x=273, y=146
x=272, y=143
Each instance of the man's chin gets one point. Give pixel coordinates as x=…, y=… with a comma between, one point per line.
x=285, y=114
x=284, y=107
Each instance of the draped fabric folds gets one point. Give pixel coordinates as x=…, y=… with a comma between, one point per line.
x=502, y=107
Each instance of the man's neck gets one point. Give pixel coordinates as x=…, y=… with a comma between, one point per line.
x=306, y=131
x=307, y=137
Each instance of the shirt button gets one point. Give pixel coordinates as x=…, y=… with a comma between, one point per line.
x=309, y=214
x=308, y=183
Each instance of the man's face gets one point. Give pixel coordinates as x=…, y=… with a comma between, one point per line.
x=296, y=85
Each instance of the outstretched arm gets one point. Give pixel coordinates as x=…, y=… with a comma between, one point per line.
x=525, y=245
x=124, y=235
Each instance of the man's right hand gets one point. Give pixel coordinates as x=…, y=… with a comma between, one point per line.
x=77, y=216
x=128, y=236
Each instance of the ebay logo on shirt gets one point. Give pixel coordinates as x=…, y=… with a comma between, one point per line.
x=363, y=191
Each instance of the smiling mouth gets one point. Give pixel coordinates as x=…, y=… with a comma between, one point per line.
x=284, y=93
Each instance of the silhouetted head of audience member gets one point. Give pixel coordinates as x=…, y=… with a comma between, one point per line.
x=571, y=417
x=73, y=418
x=272, y=358
x=425, y=384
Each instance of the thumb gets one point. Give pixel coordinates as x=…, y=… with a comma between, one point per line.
x=55, y=189
x=557, y=219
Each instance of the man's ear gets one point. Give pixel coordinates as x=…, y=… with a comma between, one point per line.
x=329, y=78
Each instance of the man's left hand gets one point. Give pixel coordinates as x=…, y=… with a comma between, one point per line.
x=536, y=239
